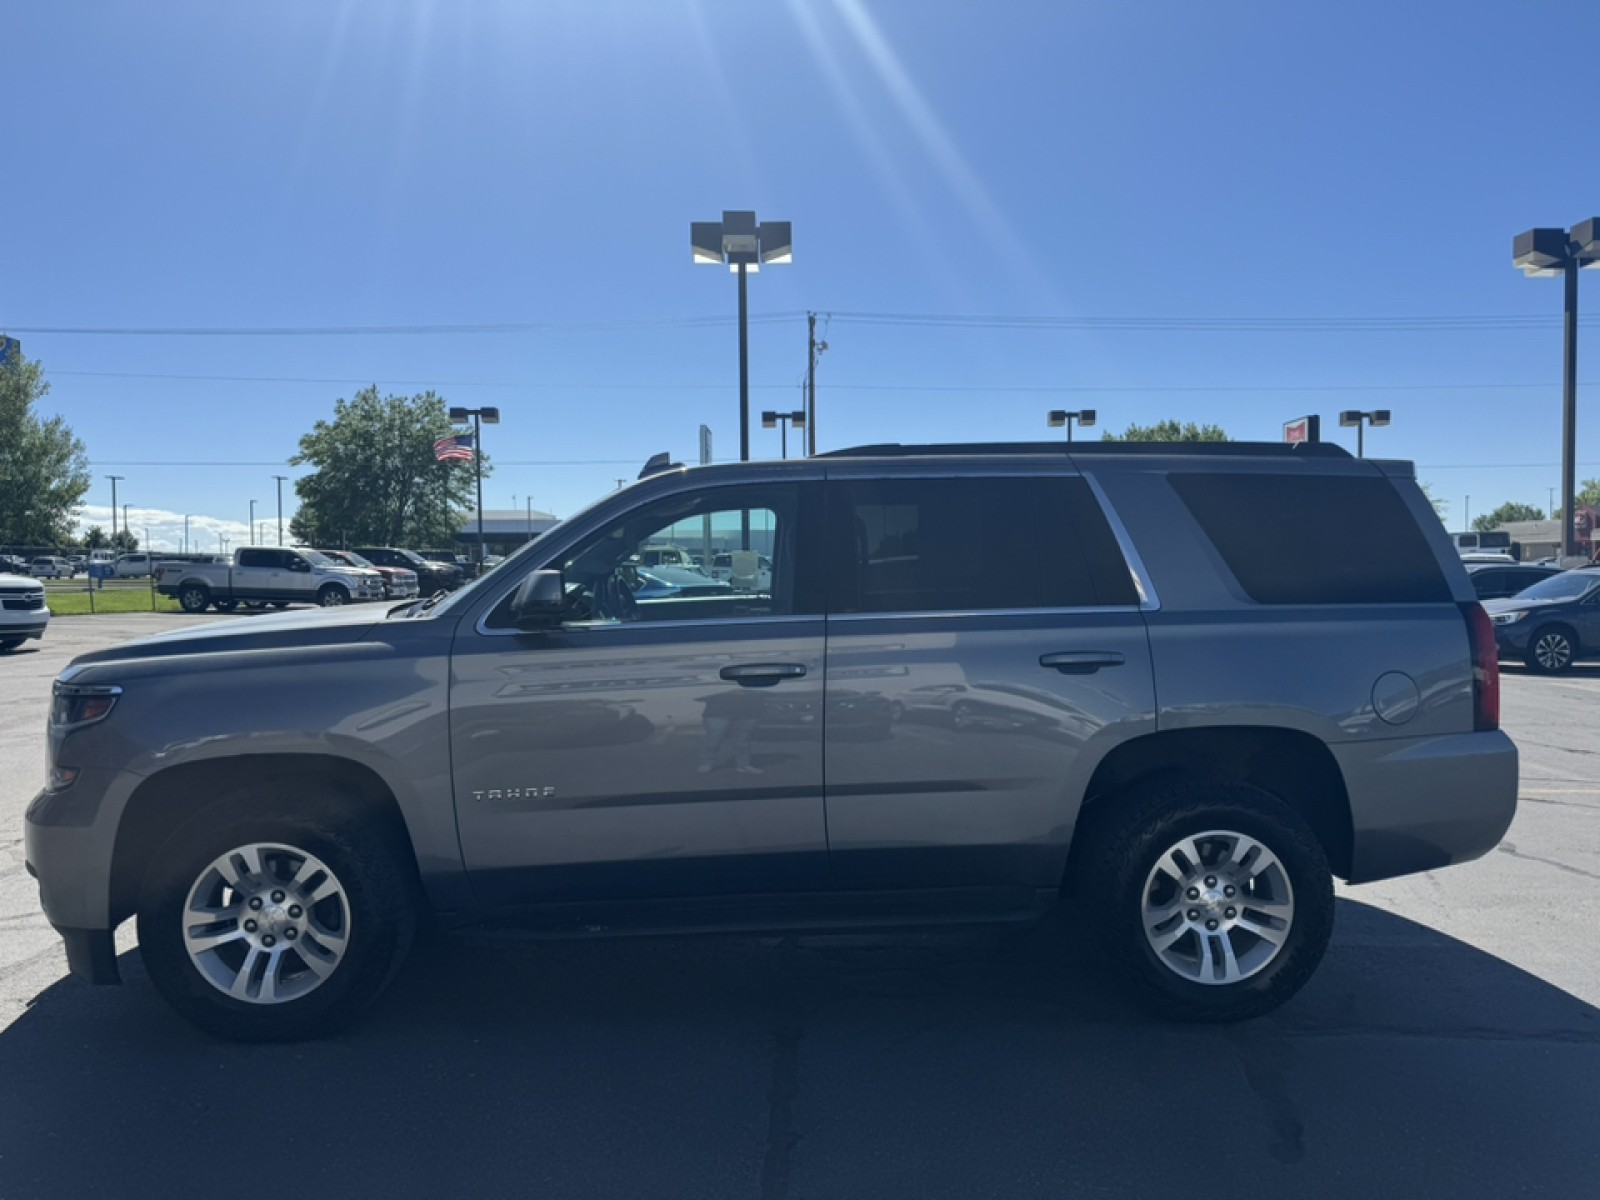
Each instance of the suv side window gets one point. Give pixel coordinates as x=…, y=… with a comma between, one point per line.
x=970, y=545
x=256, y=558
x=1315, y=539
x=609, y=577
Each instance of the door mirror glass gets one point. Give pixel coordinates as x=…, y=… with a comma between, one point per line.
x=538, y=601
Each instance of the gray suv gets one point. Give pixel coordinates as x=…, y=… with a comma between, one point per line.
x=1184, y=687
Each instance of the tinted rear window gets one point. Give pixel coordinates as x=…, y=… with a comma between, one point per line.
x=1296, y=539
x=971, y=545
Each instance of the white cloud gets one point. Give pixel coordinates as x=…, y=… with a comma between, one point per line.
x=159, y=529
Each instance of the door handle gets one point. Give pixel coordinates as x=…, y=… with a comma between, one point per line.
x=761, y=674
x=1082, y=662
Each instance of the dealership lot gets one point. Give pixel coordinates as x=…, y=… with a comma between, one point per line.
x=1447, y=1046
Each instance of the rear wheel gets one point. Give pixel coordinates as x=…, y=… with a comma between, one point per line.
x=1552, y=650
x=331, y=595
x=1214, y=900
x=267, y=925
x=194, y=597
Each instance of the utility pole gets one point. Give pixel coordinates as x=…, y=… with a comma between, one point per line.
x=114, y=480
x=280, y=479
x=814, y=351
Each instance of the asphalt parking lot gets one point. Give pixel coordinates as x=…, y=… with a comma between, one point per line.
x=1448, y=1046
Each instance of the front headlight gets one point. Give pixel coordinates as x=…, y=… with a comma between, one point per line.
x=75, y=704
x=1509, y=618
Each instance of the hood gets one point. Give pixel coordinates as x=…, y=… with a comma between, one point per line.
x=1519, y=604
x=20, y=581
x=307, y=627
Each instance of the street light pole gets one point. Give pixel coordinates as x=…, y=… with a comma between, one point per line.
x=478, y=415
x=114, y=481
x=1546, y=253
x=743, y=244
x=252, y=522
x=1057, y=417
x=280, y=479
x=782, y=420
x=1376, y=418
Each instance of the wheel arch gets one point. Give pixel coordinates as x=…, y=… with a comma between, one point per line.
x=165, y=800
x=1292, y=765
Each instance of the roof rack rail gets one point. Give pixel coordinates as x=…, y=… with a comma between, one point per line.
x=1097, y=449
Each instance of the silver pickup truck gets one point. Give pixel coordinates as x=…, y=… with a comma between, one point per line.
x=265, y=575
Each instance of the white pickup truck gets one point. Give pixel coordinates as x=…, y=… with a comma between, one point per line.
x=262, y=575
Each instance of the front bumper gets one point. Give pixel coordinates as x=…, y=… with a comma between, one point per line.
x=1513, y=639
x=23, y=623
x=1421, y=803
x=69, y=837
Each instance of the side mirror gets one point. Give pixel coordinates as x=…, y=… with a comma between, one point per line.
x=539, y=600
x=299, y=564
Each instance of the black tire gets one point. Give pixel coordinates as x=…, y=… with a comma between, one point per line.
x=226, y=605
x=331, y=595
x=1128, y=838
x=1552, y=650
x=194, y=597
x=369, y=861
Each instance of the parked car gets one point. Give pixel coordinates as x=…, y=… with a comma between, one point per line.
x=50, y=567
x=23, y=611
x=1494, y=581
x=759, y=579
x=399, y=583
x=1553, y=623
x=432, y=576
x=657, y=583
x=265, y=575
x=1192, y=718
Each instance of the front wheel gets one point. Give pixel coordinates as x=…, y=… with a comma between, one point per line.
x=332, y=595
x=1214, y=900
x=270, y=926
x=194, y=597
x=1552, y=650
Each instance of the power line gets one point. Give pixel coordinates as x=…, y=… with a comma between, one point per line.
x=387, y=330
x=1199, y=323
x=1010, y=388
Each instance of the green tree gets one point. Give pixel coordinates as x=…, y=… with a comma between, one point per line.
x=95, y=538
x=124, y=542
x=1439, y=506
x=1169, y=431
x=1505, y=514
x=44, y=472
x=376, y=481
x=1588, y=496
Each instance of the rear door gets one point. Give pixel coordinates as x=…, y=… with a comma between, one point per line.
x=985, y=647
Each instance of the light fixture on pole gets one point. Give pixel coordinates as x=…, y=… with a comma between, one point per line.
x=252, y=522
x=1060, y=416
x=115, y=479
x=1375, y=418
x=744, y=244
x=280, y=479
x=480, y=418
x=1545, y=253
x=774, y=420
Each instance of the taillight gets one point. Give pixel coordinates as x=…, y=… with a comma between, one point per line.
x=1485, y=668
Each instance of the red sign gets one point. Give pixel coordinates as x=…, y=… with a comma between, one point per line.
x=1302, y=429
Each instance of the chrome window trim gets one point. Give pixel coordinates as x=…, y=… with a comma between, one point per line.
x=724, y=623
x=1149, y=601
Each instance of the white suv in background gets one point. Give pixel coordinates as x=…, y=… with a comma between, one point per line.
x=23, y=612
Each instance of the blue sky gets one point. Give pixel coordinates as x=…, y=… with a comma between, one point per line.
x=426, y=163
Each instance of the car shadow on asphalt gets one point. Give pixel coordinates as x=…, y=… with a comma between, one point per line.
x=990, y=1061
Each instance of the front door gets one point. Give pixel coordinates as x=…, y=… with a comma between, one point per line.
x=666, y=738
x=984, y=634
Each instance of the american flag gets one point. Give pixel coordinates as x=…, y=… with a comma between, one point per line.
x=456, y=448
